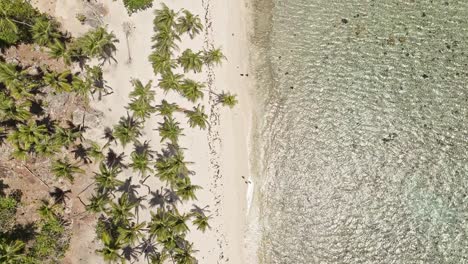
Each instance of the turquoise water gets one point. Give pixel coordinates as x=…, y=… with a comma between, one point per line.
x=365, y=136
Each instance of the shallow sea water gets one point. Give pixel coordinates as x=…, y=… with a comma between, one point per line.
x=365, y=140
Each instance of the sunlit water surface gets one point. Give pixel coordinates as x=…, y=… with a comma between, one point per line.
x=366, y=141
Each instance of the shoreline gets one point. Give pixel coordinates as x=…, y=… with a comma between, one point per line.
x=220, y=158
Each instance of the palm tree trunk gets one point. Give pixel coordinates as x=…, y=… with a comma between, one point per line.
x=143, y=181
x=128, y=50
x=35, y=176
x=81, y=201
x=20, y=22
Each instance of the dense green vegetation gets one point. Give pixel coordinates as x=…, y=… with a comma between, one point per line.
x=17, y=20
x=137, y=5
x=44, y=241
x=31, y=132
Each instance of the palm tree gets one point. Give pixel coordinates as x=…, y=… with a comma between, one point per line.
x=183, y=254
x=45, y=31
x=130, y=234
x=185, y=190
x=60, y=82
x=98, y=203
x=161, y=62
x=81, y=87
x=121, y=211
x=141, y=108
x=178, y=222
x=191, y=61
x=171, y=166
x=192, y=90
x=75, y=53
x=94, y=75
x=170, y=129
x=58, y=50
x=201, y=221
x=165, y=40
x=111, y=249
x=28, y=135
x=142, y=91
x=142, y=97
x=127, y=130
x=197, y=117
x=95, y=151
x=16, y=81
x=170, y=81
x=158, y=258
x=213, y=56
x=64, y=169
x=9, y=31
x=160, y=226
x=11, y=110
x=98, y=43
x=164, y=17
x=11, y=253
x=228, y=99
x=190, y=24
x=9, y=74
x=23, y=88
x=47, y=147
x=47, y=210
x=141, y=158
x=67, y=136
x=106, y=178
x=167, y=109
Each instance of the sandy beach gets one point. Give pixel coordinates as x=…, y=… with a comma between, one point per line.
x=220, y=154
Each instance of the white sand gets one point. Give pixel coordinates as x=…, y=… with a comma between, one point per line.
x=220, y=155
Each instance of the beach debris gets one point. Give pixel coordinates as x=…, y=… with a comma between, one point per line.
x=390, y=137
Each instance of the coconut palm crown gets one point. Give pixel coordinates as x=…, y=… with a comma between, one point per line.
x=191, y=61
x=190, y=24
x=197, y=117
x=192, y=90
x=170, y=130
x=127, y=130
x=98, y=43
x=45, y=31
x=228, y=99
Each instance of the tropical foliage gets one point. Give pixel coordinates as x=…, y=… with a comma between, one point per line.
x=35, y=133
x=98, y=43
x=213, y=57
x=228, y=99
x=45, y=32
x=44, y=241
x=137, y=5
x=197, y=117
x=142, y=99
x=189, y=23
x=191, y=61
x=127, y=130
x=65, y=169
x=16, y=20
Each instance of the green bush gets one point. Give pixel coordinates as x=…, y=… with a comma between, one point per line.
x=8, y=207
x=16, y=20
x=51, y=242
x=137, y=5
